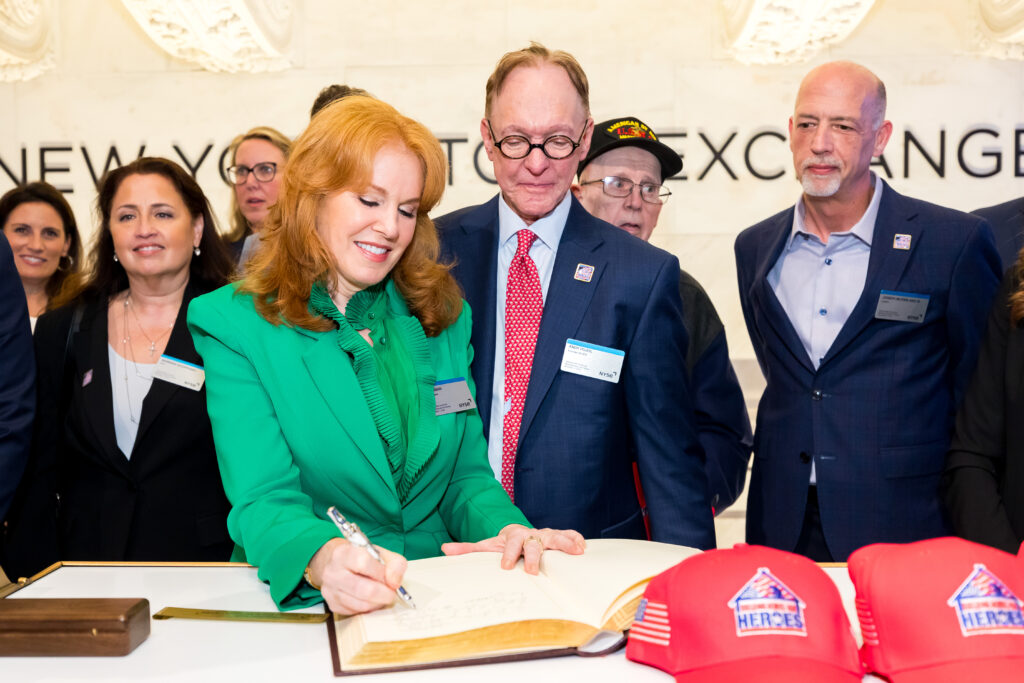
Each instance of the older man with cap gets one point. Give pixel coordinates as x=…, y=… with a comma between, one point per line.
x=578, y=331
x=621, y=181
x=866, y=310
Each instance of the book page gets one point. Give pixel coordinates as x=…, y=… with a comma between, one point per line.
x=466, y=592
x=589, y=584
x=461, y=593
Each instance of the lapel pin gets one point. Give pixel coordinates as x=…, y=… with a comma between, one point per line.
x=584, y=273
x=901, y=241
x=87, y=377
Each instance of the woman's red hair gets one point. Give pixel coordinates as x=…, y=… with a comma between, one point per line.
x=336, y=152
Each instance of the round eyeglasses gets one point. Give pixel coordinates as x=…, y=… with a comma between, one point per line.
x=614, y=186
x=263, y=172
x=519, y=147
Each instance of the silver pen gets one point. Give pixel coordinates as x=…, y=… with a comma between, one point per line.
x=354, y=535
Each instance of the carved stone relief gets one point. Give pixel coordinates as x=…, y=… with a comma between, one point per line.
x=787, y=31
x=219, y=35
x=999, y=29
x=26, y=41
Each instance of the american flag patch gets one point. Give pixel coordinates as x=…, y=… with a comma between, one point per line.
x=651, y=623
x=584, y=273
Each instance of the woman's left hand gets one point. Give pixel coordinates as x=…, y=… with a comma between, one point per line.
x=516, y=540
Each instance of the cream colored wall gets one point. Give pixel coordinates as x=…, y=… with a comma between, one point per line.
x=661, y=60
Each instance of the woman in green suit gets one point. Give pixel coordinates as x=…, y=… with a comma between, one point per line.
x=321, y=371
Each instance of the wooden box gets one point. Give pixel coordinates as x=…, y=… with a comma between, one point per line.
x=48, y=627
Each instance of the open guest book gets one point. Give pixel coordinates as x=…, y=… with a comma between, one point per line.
x=471, y=611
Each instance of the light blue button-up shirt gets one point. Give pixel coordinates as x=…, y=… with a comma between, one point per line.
x=549, y=232
x=819, y=284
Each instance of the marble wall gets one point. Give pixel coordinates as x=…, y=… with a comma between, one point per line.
x=955, y=79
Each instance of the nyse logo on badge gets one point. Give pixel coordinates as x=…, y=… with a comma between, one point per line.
x=766, y=606
x=584, y=273
x=985, y=605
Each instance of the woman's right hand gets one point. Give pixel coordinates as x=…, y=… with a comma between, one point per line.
x=351, y=581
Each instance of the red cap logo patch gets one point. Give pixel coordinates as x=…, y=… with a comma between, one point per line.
x=766, y=606
x=630, y=128
x=984, y=604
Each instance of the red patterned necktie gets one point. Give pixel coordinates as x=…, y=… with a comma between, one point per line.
x=523, y=307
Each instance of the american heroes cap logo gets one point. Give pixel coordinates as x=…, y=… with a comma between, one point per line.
x=986, y=605
x=766, y=606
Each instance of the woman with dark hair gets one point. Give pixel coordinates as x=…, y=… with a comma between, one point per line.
x=41, y=228
x=322, y=366
x=123, y=464
x=984, y=476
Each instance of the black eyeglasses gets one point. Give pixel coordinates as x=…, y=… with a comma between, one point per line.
x=614, y=186
x=519, y=147
x=264, y=172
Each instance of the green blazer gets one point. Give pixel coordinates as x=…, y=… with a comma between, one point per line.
x=295, y=436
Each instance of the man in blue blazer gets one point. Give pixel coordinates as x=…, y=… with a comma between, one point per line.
x=608, y=382
x=865, y=309
x=17, y=379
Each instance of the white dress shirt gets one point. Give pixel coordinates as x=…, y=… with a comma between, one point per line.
x=549, y=232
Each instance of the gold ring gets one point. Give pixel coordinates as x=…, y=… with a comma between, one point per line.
x=533, y=538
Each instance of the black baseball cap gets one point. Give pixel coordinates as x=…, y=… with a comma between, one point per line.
x=630, y=130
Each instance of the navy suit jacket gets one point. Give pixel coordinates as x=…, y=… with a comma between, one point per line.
x=579, y=435
x=877, y=415
x=17, y=378
x=1007, y=221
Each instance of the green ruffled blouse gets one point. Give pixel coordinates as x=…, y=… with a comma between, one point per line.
x=396, y=375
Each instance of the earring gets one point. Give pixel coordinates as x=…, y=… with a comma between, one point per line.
x=61, y=267
x=115, y=258
x=196, y=251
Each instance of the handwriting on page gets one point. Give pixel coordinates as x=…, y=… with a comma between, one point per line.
x=438, y=615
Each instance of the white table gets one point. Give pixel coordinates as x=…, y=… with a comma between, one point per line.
x=221, y=651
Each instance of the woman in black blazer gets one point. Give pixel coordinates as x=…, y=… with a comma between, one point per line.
x=984, y=477
x=123, y=465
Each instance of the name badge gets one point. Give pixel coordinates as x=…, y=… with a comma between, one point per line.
x=901, y=306
x=452, y=396
x=182, y=373
x=591, y=360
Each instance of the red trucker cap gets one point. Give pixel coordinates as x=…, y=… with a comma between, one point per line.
x=940, y=610
x=745, y=613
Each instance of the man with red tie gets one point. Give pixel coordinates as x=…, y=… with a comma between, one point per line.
x=578, y=328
